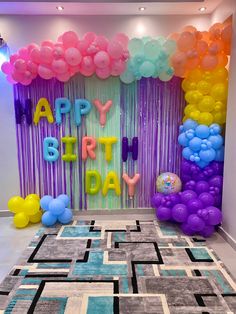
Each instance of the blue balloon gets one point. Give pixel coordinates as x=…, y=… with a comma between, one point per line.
x=220, y=153
x=66, y=216
x=64, y=198
x=44, y=202
x=202, y=164
x=216, y=141
x=207, y=155
x=183, y=140
x=187, y=152
x=190, y=124
x=50, y=149
x=56, y=207
x=215, y=129
x=202, y=131
x=195, y=144
x=48, y=219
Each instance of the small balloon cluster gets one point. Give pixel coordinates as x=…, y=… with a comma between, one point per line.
x=67, y=56
x=204, y=50
x=206, y=95
x=25, y=210
x=202, y=144
x=56, y=209
x=149, y=57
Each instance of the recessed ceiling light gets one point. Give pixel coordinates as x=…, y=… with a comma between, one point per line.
x=142, y=9
x=202, y=9
x=60, y=8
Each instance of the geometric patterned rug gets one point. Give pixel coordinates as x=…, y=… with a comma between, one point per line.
x=130, y=266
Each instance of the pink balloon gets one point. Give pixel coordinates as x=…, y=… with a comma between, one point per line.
x=10, y=79
x=117, y=67
x=32, y=67
x=35, y=55
x=58, y=52
x=13, y=58
x=115, y=49
x=26, y=81
x=6, y=67
x=82, y=46
x=31, y=46
x=89, y=37
x=87, y=67
x=73, y=70
x=27, y=75
x=24, y=53
x=122, y=39
x=47, y=43
x=17, y=76
x=59, y=66
x=103, y=110
x=102, y=59
x=131, y=182
x=63, y=77
x=103, y=73
x=20, y=65
x=45, y=72
x=46, y=55
x=70, y=39
x=101, y=42
x=73, y=56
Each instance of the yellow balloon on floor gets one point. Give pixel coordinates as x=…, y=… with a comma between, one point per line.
x=15, y=204
x=21, y=220
x=36, y=217
x=32, y=196
x=31, y=207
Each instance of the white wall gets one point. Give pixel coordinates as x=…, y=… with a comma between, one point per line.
x=22, y=30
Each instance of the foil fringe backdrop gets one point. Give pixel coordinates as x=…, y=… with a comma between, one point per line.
x=150, y=109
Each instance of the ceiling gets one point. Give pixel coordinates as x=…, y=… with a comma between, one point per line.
x=108, y=7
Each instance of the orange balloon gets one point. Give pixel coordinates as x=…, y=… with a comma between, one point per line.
x=178, y=59
x=174, y=36
x=222, y=60
x=216, y=47
x=192, y=63
x=209, y=62
x=186, y=41
x=205, y=36
x=215, y=31
x=227, y=49
x=190, y=28
x=195, y=75
x=180, y=71
x=226, y=33
x=201, y=47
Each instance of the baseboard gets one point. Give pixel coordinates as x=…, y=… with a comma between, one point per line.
x=90, y=212
x=227, y=237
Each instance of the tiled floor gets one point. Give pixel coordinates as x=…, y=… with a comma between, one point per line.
x=13, y=241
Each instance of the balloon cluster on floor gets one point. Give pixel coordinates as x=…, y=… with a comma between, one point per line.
x=56, y=209
x=195, y=207
x=25, y=210
x=159, y=57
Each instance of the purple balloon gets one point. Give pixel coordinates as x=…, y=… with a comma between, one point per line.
x=201, y=186
x=217, y=167
x=174, y=199
x=180, y=213
x=216, y=181
x=187, y=230
x=195, y=223
x=190, y=185
x=156, y=200
x=214, y=215
x=186, y=167
x=207, y=231
x=163, y=213
x=187, y=195
x=218, y=200
x=194, y=205
x=207, y=199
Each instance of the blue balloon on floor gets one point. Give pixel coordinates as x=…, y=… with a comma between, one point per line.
x=66, y=216
x=48, y=219
x=56, y=207
x=64, y=198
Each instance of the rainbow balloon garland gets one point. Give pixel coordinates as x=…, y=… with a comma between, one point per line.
x=200, y=58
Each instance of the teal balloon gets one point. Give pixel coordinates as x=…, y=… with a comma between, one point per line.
x=152, y=49
x=135, y=46
x=207, y=155
x=147, y=69
x=127, y=77
x=195, y=144
x=170, y=46
x=138, y=59
x=165, y=77
x=202, y=131
x=216, y=141
x=145, y=39
x=187, y=153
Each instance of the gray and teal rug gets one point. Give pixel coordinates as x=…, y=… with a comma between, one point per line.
x=104, y=267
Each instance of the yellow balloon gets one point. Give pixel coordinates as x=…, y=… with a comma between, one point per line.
x=15, y=204
x=31, y=207
x=193, y=97
x=188, y=85
x=195, y=115
x=205, y=118
x=189, y=108
x=204, y=87
x=20, y=220
x=220, y=117
x=220, y=106
x=207, y=104
x=195, y=75
x=36, y=217
x=32, y=196
x=220, y=74
x=207, y=76
x=219, y=92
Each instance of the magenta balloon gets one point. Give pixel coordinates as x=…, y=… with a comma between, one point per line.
x=214, y=215
x=201, y=186
x=216, y=181
x=194, y=205
x=6, y=67
x=187, y=195
x=207, y=231
x=207, y=199
x=187, y=230
x=180, y=213
x=156, y=200
x=163, y=213
x=195, y=222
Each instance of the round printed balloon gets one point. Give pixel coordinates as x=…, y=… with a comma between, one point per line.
x=168, y=183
